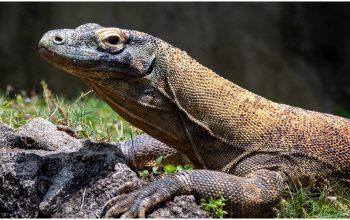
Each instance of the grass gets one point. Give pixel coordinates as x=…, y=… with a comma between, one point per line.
x=215, y=206
x=92, y=118
x=86, y=114
x=315, y=199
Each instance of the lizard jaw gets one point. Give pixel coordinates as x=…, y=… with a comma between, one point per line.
x=84, y=68
x=52, y=58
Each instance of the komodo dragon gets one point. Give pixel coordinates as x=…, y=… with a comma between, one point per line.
x=245, y=146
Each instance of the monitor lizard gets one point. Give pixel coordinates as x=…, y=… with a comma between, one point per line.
x=245, y=147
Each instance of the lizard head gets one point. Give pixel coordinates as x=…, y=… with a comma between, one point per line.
x=92, y=49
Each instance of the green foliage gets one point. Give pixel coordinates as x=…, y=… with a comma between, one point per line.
x=158, y=164
x=214, y=206
x=320, y=199
x=143, y=173
x=159, y=168
x=159, y=160
x=17, y=111
x=154, y=169
x=188, y=167
x=170, y=169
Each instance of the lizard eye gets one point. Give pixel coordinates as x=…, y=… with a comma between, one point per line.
x=111, y=39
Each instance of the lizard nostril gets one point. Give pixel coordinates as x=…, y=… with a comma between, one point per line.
x=58, y=39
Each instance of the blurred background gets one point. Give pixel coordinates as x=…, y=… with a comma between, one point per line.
x=294, y=53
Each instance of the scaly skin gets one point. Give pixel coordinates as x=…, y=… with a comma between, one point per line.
x=245, y=146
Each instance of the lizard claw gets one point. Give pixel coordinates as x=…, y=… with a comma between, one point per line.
x=111, y=203
x=137, y=203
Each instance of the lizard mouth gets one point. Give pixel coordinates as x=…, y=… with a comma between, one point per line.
x=59, y=61
x=82, y=67
x=51, y=57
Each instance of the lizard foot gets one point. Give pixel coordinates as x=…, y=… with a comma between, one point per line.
x=137, y=203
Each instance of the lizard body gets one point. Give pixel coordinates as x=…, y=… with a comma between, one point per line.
x=245, y=146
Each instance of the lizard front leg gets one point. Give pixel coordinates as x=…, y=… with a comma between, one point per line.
x=144, y=149
x=249, y=196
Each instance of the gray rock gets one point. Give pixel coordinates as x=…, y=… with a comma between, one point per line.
x=44, y=172
x=42, y=134
x=184, y=206
x=4, y=132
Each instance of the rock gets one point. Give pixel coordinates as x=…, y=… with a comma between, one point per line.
x=44, y=172
x=4, y=132
x=184, y=206
x=42, y=134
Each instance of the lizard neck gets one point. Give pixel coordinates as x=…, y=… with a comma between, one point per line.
x=215, y=113
x=145, y=108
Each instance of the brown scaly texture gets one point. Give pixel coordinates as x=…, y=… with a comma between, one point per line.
x=245, y=146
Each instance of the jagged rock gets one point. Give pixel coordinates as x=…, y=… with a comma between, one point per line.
x=41, y=134
x=44, y=172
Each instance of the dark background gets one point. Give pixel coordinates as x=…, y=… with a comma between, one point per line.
x=295, y=53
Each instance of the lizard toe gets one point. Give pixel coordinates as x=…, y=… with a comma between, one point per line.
x=151, y=202
x=117, y=205
x=138, y=203
x=150, y=197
